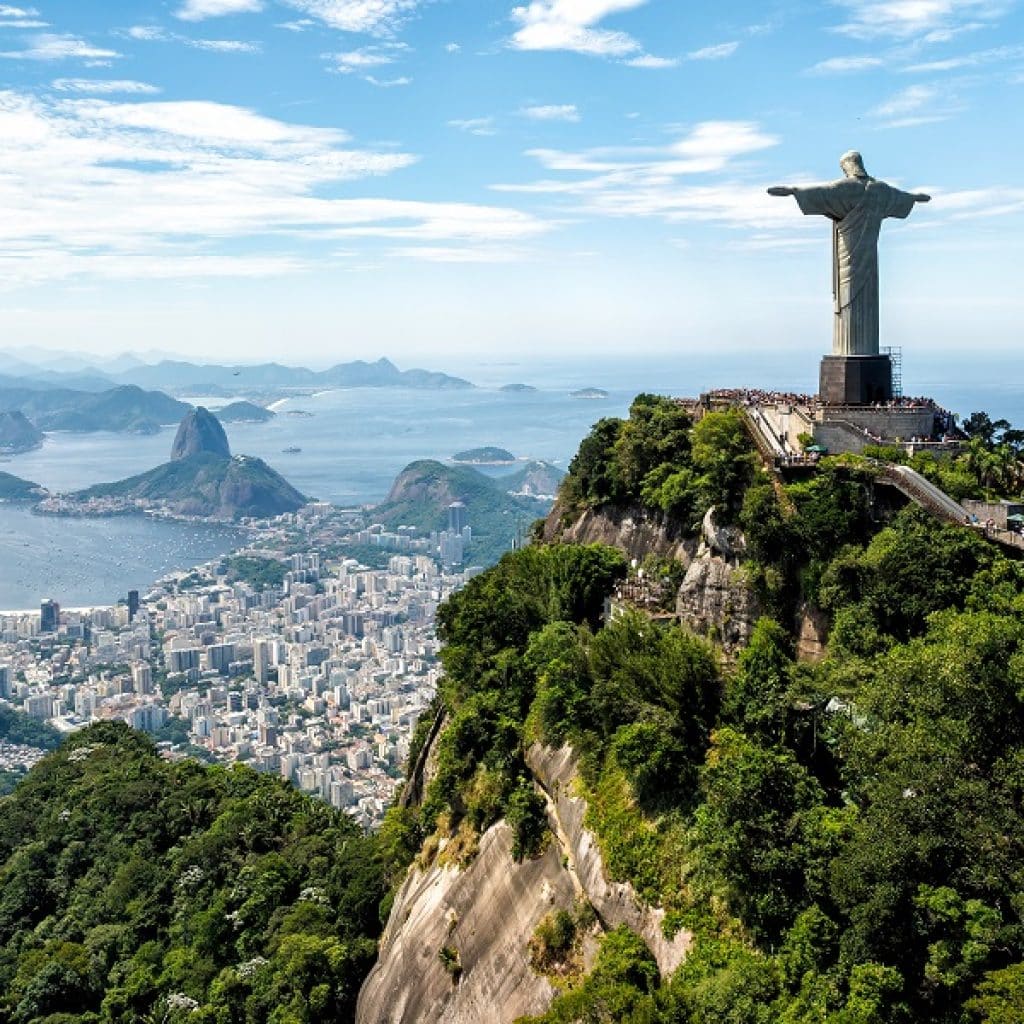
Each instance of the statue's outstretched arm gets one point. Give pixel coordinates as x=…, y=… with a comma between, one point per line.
x=920, y=197
x=782, y=190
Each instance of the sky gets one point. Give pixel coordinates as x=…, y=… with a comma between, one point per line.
x=433, y=180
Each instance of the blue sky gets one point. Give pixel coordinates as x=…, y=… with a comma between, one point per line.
x=310, y=180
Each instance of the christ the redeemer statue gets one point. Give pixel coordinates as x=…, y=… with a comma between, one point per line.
x=856, y=205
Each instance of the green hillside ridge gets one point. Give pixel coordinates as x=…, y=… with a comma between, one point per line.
x=843, y=839
x=203, y=479
x=17, y=433
x=124, y=409
x=422, y=492
x=209, y=485
x=534, y=477
x=133, y=888
x=13, y=488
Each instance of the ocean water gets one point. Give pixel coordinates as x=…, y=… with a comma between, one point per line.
x=83, y=562
x=354, y=442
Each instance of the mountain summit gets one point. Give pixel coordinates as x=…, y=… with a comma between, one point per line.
x=200, y=432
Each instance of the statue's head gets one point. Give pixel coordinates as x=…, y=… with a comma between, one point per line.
x=852, y=164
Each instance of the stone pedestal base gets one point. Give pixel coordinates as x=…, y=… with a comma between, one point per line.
x=855, y=380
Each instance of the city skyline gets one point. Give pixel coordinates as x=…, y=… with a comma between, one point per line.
x=428, y=180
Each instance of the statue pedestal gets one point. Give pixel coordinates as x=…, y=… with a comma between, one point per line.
x=855, y=380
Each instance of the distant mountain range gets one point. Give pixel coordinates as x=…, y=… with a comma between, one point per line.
x=193, y=378
x=124, y=408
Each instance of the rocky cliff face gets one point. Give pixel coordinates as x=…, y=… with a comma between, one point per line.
x=487, y=913
x=715, y=598
x=635, y=530
x=200, y=433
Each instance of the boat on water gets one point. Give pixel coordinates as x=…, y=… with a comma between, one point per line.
x=291, y=450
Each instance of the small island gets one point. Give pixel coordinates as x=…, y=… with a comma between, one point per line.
x=517, y=388
x=244, y=412
x=589, y=393
x=489, y=455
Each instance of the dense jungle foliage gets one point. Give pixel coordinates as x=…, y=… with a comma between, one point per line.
x=844, y=840
x=135, y=889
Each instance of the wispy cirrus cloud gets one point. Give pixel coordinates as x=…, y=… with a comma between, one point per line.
x=978, y=58
x=103, y=86
x=648, y=60
x=552, y=112
x=929, y=20
x=223, y=45
x=474, y=125
x=656, y=182
x=844, y=65
x=718, y=52
x=52, y=46
x=126, y=189
x=198, y=10
x=915, y=105
x=158, y=34
x=352, y=61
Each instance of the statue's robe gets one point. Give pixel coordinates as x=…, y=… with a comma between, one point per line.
x=857, y=207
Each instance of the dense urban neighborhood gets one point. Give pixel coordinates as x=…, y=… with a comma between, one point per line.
x=291, y=655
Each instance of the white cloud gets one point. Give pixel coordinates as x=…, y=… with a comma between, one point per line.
x=388, y=83
x=358, y=60
x=474, y=125
x=222, y=45
x=6, y=11
x=573, y=25
x=452, y=48
x=844, y=65
x=23, y=23
x=648, y=60
x=931, y=20
x=908, y=101
x=127, y=189
x=379, y=17
x=147, y=33
x=650, y=182
x=49, y=46
x=460, y=254
x=717, y=52
x=103, y=86
x=968, y=60
x=298, y=25
x=552, y=112
x=197, y=10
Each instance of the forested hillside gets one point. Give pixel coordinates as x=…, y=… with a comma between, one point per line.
x=133, y=889
x=843, y=839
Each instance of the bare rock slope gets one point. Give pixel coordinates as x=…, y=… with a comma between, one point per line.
x=486, y=914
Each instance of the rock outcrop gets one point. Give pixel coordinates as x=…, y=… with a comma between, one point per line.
x=486, y=914
x=199, y=433
x=715, y=598
x=635, y=530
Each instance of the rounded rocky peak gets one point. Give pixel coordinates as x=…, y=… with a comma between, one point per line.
x=200, y=432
